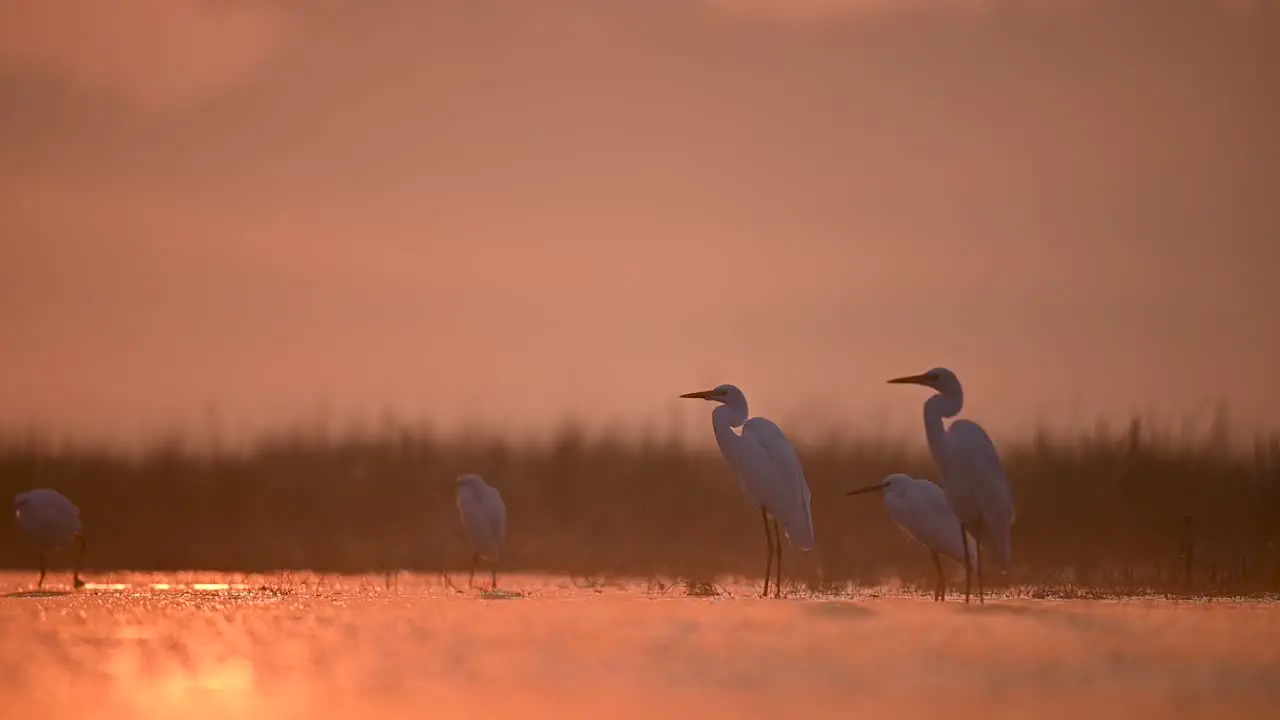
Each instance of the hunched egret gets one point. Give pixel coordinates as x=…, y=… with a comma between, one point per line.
x=768, y=470
x=973, y=477
x=484, y=516
x=52, y=521
x=921, y=508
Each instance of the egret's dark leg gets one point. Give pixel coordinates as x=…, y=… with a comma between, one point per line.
x=777, y=545
x=493, y=571
x=968, y=569
x=40, y=582
x=940, y=587
x=76, y=582
x=475, y=560
x=978, y=561
x=768, y=552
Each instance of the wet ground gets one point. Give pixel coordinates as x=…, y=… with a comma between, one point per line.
x=206, y=645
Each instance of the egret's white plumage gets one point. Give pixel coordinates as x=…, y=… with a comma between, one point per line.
x=973, y=477
x=484, y=516
x=768, y=470
x=51, y=521
x=921, y=509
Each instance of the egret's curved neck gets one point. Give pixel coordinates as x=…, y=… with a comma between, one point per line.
x=941, y=405
x=723, y=420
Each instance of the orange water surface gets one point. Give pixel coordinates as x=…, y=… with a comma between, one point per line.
x=206, y=645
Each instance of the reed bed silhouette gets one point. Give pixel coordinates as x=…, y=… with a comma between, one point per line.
x=1123, y=511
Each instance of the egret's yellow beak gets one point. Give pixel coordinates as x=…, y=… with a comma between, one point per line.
x=881, y=486
x=921, y=379
x=701, y=395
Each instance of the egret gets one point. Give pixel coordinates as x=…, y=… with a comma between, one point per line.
x=973, y=477
x=52, y=521
x=768, y=470
x=484, y=516
x=921, y=508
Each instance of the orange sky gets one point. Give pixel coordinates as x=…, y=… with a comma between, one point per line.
x=509, y=212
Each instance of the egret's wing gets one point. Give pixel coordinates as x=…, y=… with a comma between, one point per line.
x=497, y=511
x=973, y=449
x=48, y=516
x=924, y=512
x=974, y=455
x=475, y=519
x=49, y=501
x=780, y=484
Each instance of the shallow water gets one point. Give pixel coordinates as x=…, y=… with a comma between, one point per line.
x=197, y=645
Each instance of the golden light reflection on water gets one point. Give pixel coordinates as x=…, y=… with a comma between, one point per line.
x=203, y=645
x=223, y=685
x=199, y=587
x=233, y=676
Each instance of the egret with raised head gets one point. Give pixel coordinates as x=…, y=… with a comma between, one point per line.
x=52, y=521
x=973, y=477
x=921, y=509
x=768, y=471
x=484, y=517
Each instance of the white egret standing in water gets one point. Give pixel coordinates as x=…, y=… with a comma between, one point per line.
x=484, y=516
x=921, y=508
x=973, y=477
x=51, y=520
x=768, y=470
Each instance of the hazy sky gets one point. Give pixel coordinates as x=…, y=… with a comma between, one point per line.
x=505, y=211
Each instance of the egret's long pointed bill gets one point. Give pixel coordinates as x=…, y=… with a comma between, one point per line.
x=881, y=486
x=921, y=379
x=701, y=395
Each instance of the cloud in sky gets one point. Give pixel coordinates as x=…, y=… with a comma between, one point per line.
x=150, y=53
